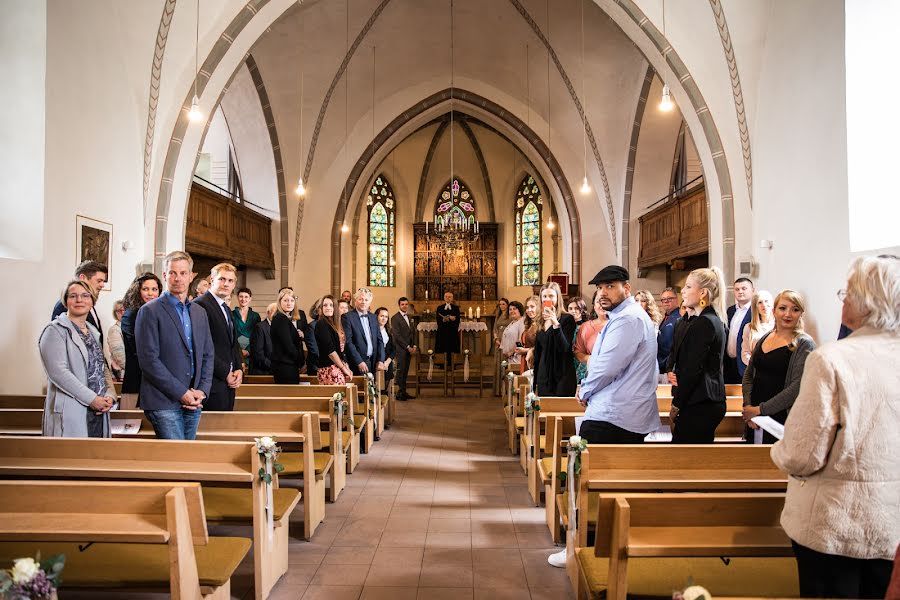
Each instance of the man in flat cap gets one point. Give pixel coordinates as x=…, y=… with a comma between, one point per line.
x=619, y=392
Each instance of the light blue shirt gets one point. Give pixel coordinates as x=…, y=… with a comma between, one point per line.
x=364, y=319
x=620, y=386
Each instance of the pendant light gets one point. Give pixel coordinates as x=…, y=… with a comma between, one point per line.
x=195, y=114
x=301, y=189
x=585, y=186
x=452, y=69
x=665, y=104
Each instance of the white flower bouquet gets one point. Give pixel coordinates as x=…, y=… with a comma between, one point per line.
x=31, y=578
x=268, y=449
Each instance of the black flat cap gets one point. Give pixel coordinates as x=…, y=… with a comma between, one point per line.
x=610, y=273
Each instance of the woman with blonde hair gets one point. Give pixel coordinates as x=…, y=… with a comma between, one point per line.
x=698, y=401
x=287, y=347
x=772, y=379
x=761, y=322
x=554, y=367
x=841, y=447
x=648, y=303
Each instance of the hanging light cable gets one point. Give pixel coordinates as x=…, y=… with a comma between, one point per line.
x=195, y=114
x=665, y=104
x=585, y=186
x=301, y=189
x=346, y=228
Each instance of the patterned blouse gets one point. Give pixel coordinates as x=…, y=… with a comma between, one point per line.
x=96, y=380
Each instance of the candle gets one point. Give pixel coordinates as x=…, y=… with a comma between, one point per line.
x=426, y=295
x=470, y=312
x=478, y=312
x=426, y=227
x=483, y=294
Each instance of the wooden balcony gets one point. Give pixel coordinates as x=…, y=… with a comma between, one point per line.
x=220, y=228
x=677, y=229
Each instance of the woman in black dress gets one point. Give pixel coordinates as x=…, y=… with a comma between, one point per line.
x=772, y=379
x=554, y=367
x=390, y=350
x=142, y=290
x=287, y=347
x=698, y=402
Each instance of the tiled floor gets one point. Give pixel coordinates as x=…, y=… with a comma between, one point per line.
x=438, y=509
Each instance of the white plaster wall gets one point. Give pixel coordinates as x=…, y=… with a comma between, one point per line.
x=23, y=58
x=96, y=92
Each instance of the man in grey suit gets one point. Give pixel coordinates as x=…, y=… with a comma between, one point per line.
x=364, y=348
x=404, y=340
x=175, y=351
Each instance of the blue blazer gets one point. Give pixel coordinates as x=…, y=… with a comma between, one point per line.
x=355, y=344
x=741, y=367
x=164, y=355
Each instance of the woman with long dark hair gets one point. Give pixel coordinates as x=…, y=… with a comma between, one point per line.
x=333, y=366
x=142, y=290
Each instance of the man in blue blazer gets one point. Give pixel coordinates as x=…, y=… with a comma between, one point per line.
x=175, y=351
x=739, y=314
x=364, y=347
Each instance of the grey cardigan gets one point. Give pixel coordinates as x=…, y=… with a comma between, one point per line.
x=65, y=360
x=783, y=400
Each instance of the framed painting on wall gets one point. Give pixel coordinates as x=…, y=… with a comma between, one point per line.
x=93, y=241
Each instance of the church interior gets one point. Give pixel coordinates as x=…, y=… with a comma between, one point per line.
x=415, y=148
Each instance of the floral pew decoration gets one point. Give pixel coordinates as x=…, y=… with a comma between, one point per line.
x=269, y=450
x=31, y=578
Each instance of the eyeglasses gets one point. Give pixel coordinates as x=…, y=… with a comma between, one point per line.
x=667, y=299
x=84, y=296
x=841, y=294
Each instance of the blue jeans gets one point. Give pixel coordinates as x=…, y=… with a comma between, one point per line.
x=177, y=424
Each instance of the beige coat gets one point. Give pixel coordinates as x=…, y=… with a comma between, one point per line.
x=841, y=448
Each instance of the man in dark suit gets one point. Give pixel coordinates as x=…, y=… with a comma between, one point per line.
x=96, y=275
x=363, y=346
x=404, y=340
x=261, y=344
x=175, y=351
x=227, y=374
x=739, y=314
x=446, y=339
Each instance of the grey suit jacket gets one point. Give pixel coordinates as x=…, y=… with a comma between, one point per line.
x=65, y=359
x=404, y=335
x=784, y=400
x=165, y=357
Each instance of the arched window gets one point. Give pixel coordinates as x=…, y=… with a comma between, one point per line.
x=380, y=206
x=455, y=204
x=529, y=205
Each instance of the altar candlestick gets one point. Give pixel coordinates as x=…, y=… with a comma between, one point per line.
x=470, y=312
x=426, y=295
x=426, y=227
x=478, y=312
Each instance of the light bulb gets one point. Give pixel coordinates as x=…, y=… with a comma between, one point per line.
x=301, y=189
x=666, y=103
x=551, y=224
x=585, y=186
x=195, y=114
x=345, y=228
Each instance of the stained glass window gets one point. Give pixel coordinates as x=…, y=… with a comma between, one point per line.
x=380, y=206
x=529, y=206
x=455, y=204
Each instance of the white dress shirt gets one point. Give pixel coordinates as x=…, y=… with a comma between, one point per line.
x=734, y=328
x=364, y=319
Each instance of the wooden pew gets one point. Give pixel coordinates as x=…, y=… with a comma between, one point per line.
x=667, y=467
x=286, y=427
x=21, y=401
x=363, y=423
x=335, y=441
x=156, y=523
x=210, y=463
x=648, y=544
x=366, y=406
x=664, y=390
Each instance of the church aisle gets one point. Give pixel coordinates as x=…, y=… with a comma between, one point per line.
x=438, y=509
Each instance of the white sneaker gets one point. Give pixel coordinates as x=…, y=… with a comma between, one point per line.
x=558, y=559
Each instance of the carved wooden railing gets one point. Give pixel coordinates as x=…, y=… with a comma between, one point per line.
x=219, y=227
x=677, y=229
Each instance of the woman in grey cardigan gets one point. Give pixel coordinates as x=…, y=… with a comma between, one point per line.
x=772, y=378
x=78, y=378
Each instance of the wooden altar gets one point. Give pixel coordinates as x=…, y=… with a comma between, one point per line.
x=470, y=274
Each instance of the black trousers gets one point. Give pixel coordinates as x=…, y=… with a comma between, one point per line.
x=832, y=576
x=602, y=432
x=402, y=360
x=730, y=370
x=221, y=397
x=696, y=424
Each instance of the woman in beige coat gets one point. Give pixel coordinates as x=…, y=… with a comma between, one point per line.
x=841, y=447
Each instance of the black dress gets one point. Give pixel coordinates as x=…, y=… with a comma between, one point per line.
x=768, y=380
x=287, y=350
x=554, y=368
x=131, y=381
